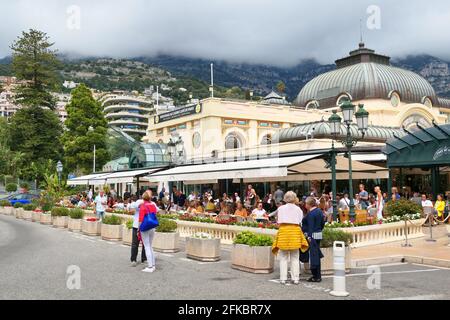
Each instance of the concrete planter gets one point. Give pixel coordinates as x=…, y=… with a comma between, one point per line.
x=18, y=213
x=27, y=215
x=60, y=222
x=127, y=236
x=74, y=225
x=252, y=259
x=5, y=210
x=36, y=216
x=166, y=242
x=326, y=263
x=9, y=211
x=46, y=218
x=111, y=232
x=91, y=228
x=203, y=249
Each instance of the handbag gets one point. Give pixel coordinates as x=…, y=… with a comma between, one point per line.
x=149, y=222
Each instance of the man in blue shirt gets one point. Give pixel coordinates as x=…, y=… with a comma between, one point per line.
x=363, y=197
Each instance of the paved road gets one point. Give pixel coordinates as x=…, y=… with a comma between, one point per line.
x=34, y=259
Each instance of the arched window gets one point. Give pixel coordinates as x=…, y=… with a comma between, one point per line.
x=427, y=102
x=267, y=139
x=342, y=98
x=312, y=105
x=394, y=96
x=232, y=141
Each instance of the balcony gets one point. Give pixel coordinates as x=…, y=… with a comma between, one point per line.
x=124, y=114
x=123, y=122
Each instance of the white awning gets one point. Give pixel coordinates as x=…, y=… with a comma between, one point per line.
x=369, y=157
x=122, y=176
x=260, y=168
x=85, y=180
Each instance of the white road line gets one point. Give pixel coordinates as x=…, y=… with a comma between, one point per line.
x=430, y=266
x=423, y=297
x=389, y=272
x=384, y=265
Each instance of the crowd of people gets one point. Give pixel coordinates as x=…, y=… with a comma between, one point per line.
x=301, y=218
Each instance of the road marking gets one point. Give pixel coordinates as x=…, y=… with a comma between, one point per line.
x=388, y=272
x=430, y=266
x=423, y=297
x=384, y=265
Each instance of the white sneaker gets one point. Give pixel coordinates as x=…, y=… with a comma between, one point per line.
x=152, y=269
x=134, y=264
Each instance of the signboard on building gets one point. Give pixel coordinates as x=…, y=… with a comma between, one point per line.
x=182, y=112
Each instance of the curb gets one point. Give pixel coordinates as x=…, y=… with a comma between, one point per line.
x=403, y=259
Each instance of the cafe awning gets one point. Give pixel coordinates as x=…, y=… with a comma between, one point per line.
x=258, y=168
x=317, y=169
x=123, y=176
x=85, y=180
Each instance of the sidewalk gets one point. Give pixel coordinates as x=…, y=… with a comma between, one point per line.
x=423, y=252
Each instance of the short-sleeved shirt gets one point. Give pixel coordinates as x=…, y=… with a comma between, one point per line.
x=98, y=203
x=364, y=203
x=259, y=214
x=290, y=213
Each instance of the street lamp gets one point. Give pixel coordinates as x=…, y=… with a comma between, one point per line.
x=59, y=169
x=362, y=120
x=335, y=128
x=91, y=129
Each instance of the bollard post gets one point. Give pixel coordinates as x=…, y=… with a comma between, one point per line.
x=406, y=244
x=431, y=228
x=339, y=270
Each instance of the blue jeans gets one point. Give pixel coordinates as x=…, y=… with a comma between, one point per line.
x=100, y=215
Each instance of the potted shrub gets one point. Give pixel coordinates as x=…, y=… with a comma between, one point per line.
x=203, y=247
x=28, y=211
x=252, y=253
x=60, y=217
x=5, y=207
x=127, y=232
x=24, y=186
x=75, y=217
x=331, y=235
x=91, y=226
x=111, y=228
x=166, y=238
x=45, y=216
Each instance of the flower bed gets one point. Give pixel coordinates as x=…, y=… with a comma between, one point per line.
x=387, y=220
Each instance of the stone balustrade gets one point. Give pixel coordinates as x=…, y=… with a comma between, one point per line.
x=362, y=236
x=390, y=232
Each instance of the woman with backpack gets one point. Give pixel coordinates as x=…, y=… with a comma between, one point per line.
x=148, y=207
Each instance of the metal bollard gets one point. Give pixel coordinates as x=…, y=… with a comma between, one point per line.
x=339, y=270
x=406, y=244
x=431, y=228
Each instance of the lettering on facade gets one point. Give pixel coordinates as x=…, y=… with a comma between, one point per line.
x=442, y=152
x=186, y=111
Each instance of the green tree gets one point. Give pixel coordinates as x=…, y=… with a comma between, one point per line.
x=84, y=112
x=281, y=87
x=35, y=62
x=34, y=133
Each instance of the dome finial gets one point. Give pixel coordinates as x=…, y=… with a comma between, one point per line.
x=361, y=42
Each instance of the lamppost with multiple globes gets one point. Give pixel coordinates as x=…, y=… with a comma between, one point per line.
x=59, y=169
x=349, y=141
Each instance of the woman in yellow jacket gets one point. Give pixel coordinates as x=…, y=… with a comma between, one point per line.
x=439, y=206
x=289, y=238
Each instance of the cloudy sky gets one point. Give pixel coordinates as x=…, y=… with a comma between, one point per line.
x=278, y=32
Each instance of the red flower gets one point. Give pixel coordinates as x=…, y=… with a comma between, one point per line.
x=260, y=225
x=91, y=219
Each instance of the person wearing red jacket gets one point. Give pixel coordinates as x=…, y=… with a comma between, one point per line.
x=147, y=236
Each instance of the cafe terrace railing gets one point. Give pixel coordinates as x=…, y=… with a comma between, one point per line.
x=362, y=236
